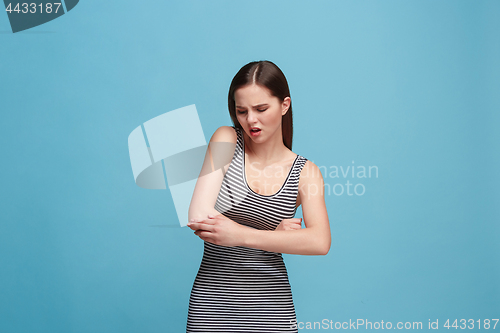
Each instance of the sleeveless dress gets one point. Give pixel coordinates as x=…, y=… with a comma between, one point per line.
x=241, y=289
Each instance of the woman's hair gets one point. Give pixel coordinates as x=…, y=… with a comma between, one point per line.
x=265, y=74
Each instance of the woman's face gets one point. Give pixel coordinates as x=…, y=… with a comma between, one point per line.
x=257, y=108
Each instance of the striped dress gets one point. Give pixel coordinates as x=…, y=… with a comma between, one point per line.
x=241, y=289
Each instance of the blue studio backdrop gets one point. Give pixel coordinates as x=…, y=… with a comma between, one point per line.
x=406, y=90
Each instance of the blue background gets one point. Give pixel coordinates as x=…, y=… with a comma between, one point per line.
x=411, y=87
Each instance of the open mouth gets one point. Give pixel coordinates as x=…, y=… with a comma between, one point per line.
x=255, y=130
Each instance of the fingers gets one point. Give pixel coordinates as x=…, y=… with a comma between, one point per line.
x=290, y=224
x=290, y=227
x=294, y=220
x=204, y=235
x=201, y=226
x=293, y=225
x=298, y=222
x=198, y=222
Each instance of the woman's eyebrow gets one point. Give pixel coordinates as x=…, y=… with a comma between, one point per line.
x=255, y=106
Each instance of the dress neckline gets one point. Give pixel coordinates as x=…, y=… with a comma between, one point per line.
x=245, y=177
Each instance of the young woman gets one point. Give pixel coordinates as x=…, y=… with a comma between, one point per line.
x=244, y=211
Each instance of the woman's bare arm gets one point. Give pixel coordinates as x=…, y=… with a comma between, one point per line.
x=217, y=159
x=315, y=238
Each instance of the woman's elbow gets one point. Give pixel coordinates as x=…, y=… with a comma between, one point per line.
x=201, y=212
x=321, y=243
x=195, y=214
x=325, y=248
x=325, y=251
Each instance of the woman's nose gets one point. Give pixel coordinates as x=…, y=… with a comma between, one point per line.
x=251, y=117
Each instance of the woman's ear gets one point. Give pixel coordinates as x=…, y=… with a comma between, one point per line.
x=285, y=105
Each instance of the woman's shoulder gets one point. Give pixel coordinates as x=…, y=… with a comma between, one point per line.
x=225, y=134
x=301, y=159
x=310, y=172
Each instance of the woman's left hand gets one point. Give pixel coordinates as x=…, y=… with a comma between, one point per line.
x=219, y=230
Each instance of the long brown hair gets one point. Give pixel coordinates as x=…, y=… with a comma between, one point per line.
x=266, y=74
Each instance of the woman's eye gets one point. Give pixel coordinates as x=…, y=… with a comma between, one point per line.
x=243, y=112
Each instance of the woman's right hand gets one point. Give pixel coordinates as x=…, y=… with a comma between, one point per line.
x=290, y=224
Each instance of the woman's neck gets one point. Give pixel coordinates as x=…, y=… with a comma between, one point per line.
x=271, y=151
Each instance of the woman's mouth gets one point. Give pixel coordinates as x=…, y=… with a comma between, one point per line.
x=255, y=131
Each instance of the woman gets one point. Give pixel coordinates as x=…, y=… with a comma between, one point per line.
x=246, y=219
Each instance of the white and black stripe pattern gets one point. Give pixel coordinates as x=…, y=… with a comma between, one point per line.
x=240, y=289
